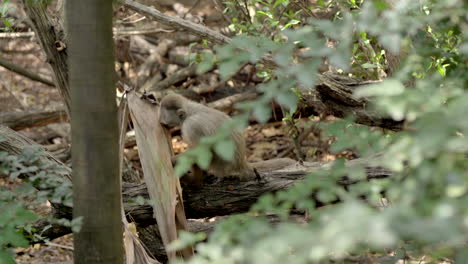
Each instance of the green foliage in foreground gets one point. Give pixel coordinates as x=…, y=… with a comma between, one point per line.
x=17, y=216
x=428, y=212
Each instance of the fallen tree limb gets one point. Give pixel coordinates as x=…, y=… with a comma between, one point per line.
x=228, y=102
x=226, y=198
x=222, y=198
x=176, y=77
x=177, y=23
x=21, y=120
x=21, y=71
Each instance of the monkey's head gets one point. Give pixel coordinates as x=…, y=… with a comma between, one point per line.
x=172, y=110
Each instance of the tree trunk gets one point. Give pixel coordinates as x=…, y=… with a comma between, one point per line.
x=95, y=136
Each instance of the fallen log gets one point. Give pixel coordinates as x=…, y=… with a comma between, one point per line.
x=333, y=95
x=22, y=120
x=225, y=197
x=212, y=199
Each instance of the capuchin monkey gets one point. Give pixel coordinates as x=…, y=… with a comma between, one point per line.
x=197, y=121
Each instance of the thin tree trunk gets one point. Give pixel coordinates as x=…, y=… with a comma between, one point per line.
x=95, y=137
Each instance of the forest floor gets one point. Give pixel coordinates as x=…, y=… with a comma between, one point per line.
x=17, y=94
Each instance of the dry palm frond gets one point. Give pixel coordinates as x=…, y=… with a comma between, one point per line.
x=135, y=252
x=155, y=151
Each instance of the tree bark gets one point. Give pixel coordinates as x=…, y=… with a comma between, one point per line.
x=51, y=37
x=95, y=133
x=333, y=95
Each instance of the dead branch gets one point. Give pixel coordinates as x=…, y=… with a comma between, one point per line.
x=178, y=76
x=12, y=35
x=22, y=71
x=177, y=23
x=227, y=103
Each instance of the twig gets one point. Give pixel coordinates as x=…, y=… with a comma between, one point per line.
x=19, y=70
x=59, y=246
x=17, y=35
x=228, y=102
x=141, y=31
x=118, y=31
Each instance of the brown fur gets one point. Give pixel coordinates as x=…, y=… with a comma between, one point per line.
x=197, y=121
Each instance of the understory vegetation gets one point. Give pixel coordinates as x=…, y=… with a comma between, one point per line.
x=411, y=58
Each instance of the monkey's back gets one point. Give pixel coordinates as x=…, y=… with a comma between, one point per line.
x=204, y=121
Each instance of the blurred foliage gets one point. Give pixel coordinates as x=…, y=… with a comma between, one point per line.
x=428, y=211
x=18, y=202
x=6, y=22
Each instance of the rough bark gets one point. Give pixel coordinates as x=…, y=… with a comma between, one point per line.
x=224, y=198
x=333, y=95
x=51, y=37
x=22, y=120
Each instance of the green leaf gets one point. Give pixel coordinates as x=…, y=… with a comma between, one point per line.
x=76, y=224
x=279, y=2
x=206, y=64
x=292, y=22
x=228, y=68
x=288, y=99
x=391, y=41
x=262, y=113
x=6, y=257
x=204, y=156
x=225, y=149
x=14, y=237
x=389, y=87
x=183, y=165
x=368, y=65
